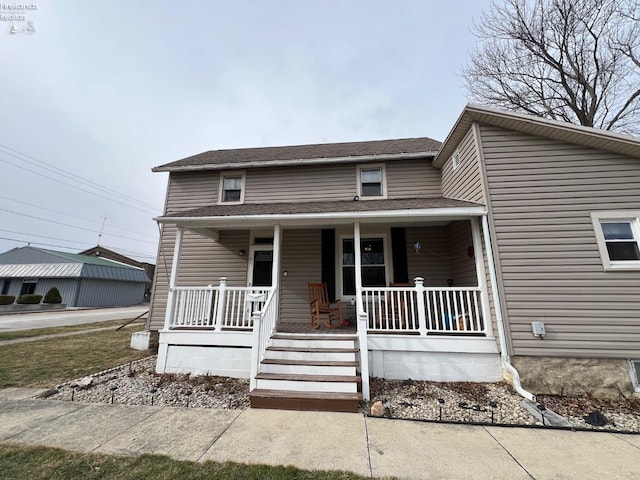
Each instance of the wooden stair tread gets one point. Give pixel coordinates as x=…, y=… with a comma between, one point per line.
x=312, y=349
x=267, y=393
x=309, y=378
x=319, y=336
x=319, y=363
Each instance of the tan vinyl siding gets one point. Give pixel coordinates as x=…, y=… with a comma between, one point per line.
x=301, y=258
x=463, y=267
x=433, y=263
x=412, y=179
x=202, y=263
x=465, y=182
x=192, y=190
x=542, y=193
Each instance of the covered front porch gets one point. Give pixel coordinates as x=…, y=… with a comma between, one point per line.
x=413, y=293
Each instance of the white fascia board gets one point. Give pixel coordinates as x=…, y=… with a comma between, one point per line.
x=300, y=219
x=296, y=162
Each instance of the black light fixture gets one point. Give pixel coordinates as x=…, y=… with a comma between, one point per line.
x=153, y=394
x=231, y=393
x=440, y=403
x=188, y=394
x=242, y=252
x=113, y=389
x=493, y=406
x=542, y=409
x=73, y=390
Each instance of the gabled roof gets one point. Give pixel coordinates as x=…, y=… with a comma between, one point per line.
x=102, y=252
x=306, y=154
x=542, y=127
x=39, y=262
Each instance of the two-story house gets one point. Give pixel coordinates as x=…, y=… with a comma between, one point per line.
x=513, y=242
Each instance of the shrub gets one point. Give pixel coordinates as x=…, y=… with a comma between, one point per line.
x=52, y=296
x=29, y=299
x=7, y=299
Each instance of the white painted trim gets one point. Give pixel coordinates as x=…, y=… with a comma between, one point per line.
x=480, y=272
x=383, y=180
x=175, y=264
x=297, y=161
x=335, y=217
x=223, y=175
x=631, y=216
x=432, y=343
x=277, y=252
x=206, y=337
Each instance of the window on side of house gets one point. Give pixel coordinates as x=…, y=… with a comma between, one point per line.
x=28, y=287
x=232, y=187
x=618, y=236
x=374, y=269
x=372, y=181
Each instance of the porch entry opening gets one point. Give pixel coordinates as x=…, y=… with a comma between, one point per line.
x=261, y=266
x=374, y=270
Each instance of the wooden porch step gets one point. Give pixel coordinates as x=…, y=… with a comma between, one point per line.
x=312, y=336
x=318, y=363
x=310, y=378
x=294, y=400
x=312, y=349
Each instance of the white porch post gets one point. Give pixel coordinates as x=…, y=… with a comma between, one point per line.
x=277, y=249
x=362, y=315
x=175, y=264
x=220, y=304
x=482, y=280
x=422, y=315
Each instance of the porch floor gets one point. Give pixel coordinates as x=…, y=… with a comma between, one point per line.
x=299, y=327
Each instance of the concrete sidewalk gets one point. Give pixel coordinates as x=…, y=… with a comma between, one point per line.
x=371, y=447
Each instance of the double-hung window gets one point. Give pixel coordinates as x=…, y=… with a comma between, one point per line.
x=618, y=236
x=372, y=181
x=232, y=187
x=372, y=256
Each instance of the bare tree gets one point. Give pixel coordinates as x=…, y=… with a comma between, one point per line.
x=571, y=60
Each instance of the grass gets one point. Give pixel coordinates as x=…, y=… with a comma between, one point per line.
x=49, y=362
x=35, y=463
x=66, y=329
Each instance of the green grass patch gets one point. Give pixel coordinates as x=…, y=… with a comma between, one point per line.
x=39, y=463
x=36, y=332
x=48, y=362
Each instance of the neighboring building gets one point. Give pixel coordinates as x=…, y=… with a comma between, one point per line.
x=102, y=252
x=83, y=281
x=462, y=246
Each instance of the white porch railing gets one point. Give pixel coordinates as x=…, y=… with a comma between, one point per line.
x=216, y=307
x=424, y=310
x=264, y=322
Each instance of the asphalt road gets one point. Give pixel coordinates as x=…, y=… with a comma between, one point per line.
x=29, y=321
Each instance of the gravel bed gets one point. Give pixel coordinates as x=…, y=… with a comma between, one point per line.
x=406, y=399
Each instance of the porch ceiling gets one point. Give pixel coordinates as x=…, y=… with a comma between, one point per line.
x=319, y=213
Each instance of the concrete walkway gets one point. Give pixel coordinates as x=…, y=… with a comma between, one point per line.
x=64, y=334
x=317, y=440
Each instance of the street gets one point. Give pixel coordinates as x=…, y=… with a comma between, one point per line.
x=30, y=321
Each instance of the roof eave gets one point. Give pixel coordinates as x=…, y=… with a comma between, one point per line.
x=581, y=135
x=296, y=162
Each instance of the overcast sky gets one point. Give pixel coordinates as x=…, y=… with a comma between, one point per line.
x=102, y=91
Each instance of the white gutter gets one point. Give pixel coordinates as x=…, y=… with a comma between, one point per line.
x=504, y=354
x=361, y=215
x=295, y=162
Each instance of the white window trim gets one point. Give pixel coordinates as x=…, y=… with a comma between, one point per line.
x=241, y=174
x=383, y=175
x=388, y=261
x=597, y=218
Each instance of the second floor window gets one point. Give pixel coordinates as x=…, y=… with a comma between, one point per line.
x=232, y=188
x=371, y=181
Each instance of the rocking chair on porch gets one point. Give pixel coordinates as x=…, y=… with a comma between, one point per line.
x=320, y=305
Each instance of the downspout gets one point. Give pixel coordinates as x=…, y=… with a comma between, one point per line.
x=504, y=354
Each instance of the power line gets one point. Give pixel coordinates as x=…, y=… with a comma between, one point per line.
x=71, y=215
x=73, y=226
x=73, y=176
x=36, y=243
x=44, y=236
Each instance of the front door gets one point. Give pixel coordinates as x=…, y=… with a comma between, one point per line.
x=260, y=266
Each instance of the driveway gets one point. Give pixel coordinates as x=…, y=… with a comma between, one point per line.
x=29, y=321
